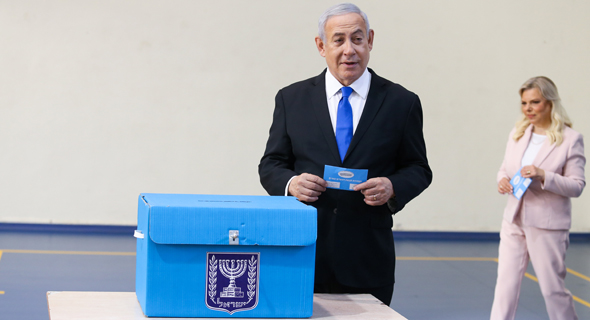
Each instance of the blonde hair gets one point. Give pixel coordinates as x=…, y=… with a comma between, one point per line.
x=559, y=117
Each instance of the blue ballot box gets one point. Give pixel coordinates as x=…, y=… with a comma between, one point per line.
x=225, y=256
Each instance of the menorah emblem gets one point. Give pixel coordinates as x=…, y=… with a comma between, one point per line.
x=230, y=270
x=239, y=280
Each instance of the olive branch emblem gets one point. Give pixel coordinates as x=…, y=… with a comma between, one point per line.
x=251, y=278
x=212, y=278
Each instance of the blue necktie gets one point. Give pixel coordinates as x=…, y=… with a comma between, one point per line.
x=344, y=122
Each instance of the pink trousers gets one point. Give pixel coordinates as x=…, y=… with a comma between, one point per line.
x=546, y=250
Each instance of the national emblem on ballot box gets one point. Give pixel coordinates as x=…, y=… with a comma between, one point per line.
x=225, y=256
x=237, y=276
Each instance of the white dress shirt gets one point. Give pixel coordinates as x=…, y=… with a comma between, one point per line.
x=357, y=99
x=532, y=149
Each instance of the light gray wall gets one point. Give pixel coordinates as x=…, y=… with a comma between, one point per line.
x=102, y=100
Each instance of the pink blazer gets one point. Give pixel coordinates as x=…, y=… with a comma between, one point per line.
x=548, y=205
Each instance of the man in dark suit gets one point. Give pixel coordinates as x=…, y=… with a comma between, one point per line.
x=383, y=134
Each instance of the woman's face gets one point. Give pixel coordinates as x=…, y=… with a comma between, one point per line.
x=536, y=108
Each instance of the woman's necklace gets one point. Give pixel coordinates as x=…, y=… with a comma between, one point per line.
x=538, y=139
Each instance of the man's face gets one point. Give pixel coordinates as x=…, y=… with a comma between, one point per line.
x=346, y=47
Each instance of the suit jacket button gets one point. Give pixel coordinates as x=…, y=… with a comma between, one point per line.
x=335, y=211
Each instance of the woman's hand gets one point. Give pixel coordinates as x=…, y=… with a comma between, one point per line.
x=504, y=186
x=533, y=173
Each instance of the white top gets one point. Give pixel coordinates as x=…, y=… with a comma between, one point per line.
x=533, y=148
x=357, y=98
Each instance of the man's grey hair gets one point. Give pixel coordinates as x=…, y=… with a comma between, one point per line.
x=338, y=10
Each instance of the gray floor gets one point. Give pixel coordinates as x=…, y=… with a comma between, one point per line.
x=464, y=289
x=435, y=279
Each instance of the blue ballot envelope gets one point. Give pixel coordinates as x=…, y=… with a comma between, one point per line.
x=344, y=178
x=519, y=185
x=218, y=256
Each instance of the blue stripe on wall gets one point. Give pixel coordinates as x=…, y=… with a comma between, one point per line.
x=67, y=228
x=398, y=235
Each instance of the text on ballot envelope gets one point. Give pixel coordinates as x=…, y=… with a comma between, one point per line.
x=344, y=178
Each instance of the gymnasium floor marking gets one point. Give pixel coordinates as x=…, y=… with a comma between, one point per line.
x=586, y=303
x=528, y=275
x=103, y=253
x=1, y=292
x=577, y=274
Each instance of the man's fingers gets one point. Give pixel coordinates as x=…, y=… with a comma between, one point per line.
x=315, y=179
x=376, y=200
x=376, y=191
x=306, y=198
x=363, y=187
x=309, y=192
x=307, y=187
x=312, y=186
x=312, y=182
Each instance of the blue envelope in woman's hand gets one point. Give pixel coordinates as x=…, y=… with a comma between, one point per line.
x=519, y=185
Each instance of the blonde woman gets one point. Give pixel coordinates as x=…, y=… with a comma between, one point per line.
x=545, y=148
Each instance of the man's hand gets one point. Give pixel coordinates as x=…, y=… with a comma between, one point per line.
x=376, y=190
x=307, y=187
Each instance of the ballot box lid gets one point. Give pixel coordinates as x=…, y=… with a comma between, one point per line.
x=212, y=219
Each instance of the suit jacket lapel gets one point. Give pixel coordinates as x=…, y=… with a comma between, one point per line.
x=522, y=144
x=374, y=102
x=545, y=150
x=320, y=107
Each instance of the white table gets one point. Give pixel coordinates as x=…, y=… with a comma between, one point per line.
x=72, y=305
